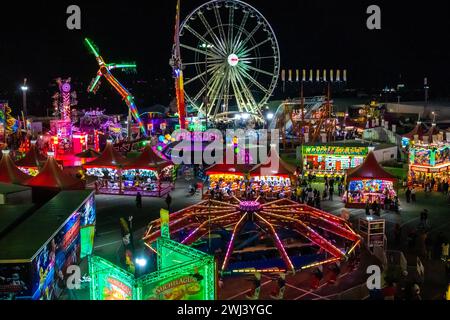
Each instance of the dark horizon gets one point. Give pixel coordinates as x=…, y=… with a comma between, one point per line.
x=35, y=44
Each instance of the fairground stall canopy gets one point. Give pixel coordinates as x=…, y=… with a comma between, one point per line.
x=149, y=174
x=32, y=162
x=252, y=236
x=9, y=173
x=369, y=183
x=53, y=177
x=430, y=160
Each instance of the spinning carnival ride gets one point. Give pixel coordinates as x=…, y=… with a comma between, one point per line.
x=231, y=59
x=272, y=237
x=105, y=71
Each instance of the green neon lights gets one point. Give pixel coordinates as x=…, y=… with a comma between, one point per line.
x=91, y=47
x=183, y=273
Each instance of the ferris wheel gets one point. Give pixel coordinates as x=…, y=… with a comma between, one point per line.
x=231, y=60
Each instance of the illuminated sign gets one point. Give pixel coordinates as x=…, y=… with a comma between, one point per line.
x=179, y=289
x=335, y=150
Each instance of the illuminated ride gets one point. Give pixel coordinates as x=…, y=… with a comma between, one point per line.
x=251, y=236
x=231, y=60
x=105, y=71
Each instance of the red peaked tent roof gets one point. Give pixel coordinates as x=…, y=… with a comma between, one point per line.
x=32, y=159
x=148, y=160
x=53, y=177
x=284, y=169
x=235, y=169
x=109, y=158
x=418, y=130
x=370, y=169
x=434, y=130
x=9, y=173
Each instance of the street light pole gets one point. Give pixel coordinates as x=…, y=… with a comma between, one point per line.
x=24, y=88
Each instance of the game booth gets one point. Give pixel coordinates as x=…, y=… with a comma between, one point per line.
x=228, y=179
x=368, y=183
x=32, y=161
x=148, y=174
x=39, y=246
x=321, y=160
x=9, y=173
x=271, y=183
x=107, y=169
x=428, y=161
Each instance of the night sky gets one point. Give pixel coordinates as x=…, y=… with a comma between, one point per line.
x=35, y=43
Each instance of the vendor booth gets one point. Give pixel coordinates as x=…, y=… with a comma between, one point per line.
x=369, y=183
x=107, y=169
x=321, y=160
x=148, y=174
x=429, y=161
x=273, y=180
x=226, y=180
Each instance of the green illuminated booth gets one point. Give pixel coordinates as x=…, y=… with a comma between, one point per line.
x=183, y=273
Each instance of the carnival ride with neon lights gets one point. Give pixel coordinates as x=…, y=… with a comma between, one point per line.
x=105, y=71
x=253, y=236
x=231, y=60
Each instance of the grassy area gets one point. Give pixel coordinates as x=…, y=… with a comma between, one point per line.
x=291, y=159
x=400, y=173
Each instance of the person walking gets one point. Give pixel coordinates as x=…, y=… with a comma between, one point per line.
x=139, y=200
x=331, y=191
x=424, y=218
x=168, y=201
x=367, y=208
x=408, y=195
x=413, y=195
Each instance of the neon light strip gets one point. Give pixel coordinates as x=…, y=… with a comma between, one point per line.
x=280, y=245
x=230, y=244
x=431, y=167
x=354, y=247
x=320, y=263
x=91, y=46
